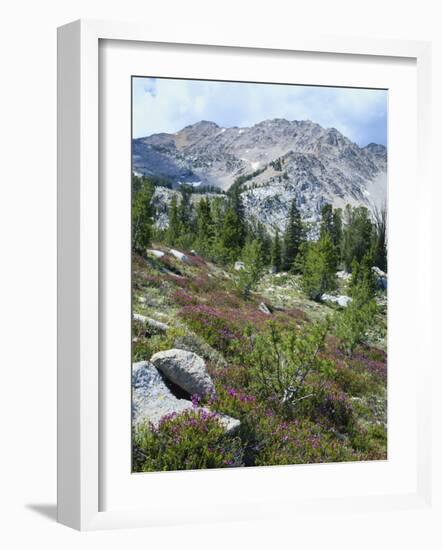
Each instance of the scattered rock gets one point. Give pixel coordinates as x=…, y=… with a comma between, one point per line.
x=230, y=424
x=155, y=253
x=152, y=400
x=180, y=256
x=381, y=278
x=152, y=323
x=185, y=369
x=239, y=266
x=344, y=275
x=264, y=308
x=342, y=300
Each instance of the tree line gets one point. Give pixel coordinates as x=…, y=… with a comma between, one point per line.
x=351, y=239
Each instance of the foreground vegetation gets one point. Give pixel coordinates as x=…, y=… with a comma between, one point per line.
x=306, y=379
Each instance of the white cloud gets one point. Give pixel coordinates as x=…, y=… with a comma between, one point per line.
x=167, y=105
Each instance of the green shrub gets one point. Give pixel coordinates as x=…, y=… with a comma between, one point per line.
x=247, y=278
x=319, y=269
x=192, y=440
x=300, y=442
x=145, y=344
x=142, y=218
x=352, y=324
x=371, y=441
x=282, y=359
x=328, y=405
x=362, y=276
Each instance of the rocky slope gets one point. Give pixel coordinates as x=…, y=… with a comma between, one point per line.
x=278, y=160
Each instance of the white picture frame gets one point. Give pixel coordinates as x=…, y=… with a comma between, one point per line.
x=79, y=264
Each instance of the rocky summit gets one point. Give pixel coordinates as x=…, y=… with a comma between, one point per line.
x=273, y=162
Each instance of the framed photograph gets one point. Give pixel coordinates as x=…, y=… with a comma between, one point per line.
x=240, y=324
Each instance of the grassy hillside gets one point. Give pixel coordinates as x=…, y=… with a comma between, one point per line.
x=301, y=394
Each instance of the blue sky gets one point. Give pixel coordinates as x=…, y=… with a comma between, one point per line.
x=167, y=105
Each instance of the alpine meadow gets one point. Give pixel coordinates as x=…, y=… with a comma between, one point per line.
x=259, y=274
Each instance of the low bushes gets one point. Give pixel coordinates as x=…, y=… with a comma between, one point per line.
x=192, y=440
x=282, y=360
x=353, y=323
x=304, y=392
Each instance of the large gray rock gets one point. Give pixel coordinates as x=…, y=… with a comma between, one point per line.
x=264, y=308
x=344, y=275
x=155, y=253
x=180, y=256
x=231, y=425
x=342, y=300
x=152, y=323
x=152, y=400
x=185, y=369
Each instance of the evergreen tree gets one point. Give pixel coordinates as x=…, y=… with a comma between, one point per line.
x=237, y=206
x=218, y=210
x=276, y=253
x=142, y=218
x=319, y=270
x=293, y=237
x=380, y=244
x=326, y=224
x=204, y=226
x=248, y=277
x=337, y=232
x=357, y=235
x=228, y=244
x=265, y=241
x=362, y=277
x=185, y=209
x=352, y=325
x=174, y=227
x=331, y=224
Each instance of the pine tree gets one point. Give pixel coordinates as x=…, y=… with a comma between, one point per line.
x=185, y=209
x=276, y=253
x=293, y=237
x=204, y=226
x=326, y=224
x=142, y=218
x=319, y=270
x=358, y=233
x=228, y=244
x=380, y=245
x=265, y=242
x=237, y=205
x=174, y=228
x=248, y=277
x=362, y=277
x=337, y=232
x=331, y=224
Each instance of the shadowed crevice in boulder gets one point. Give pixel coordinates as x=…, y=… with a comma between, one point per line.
x=175, y=390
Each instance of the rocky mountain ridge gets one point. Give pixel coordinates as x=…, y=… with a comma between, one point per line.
x=274, y=162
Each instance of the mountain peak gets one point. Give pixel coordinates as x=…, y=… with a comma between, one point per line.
x=201, y=124
x=375, y=147
x=275, y=161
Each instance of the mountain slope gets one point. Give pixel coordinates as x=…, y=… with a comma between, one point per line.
x=276, y=160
